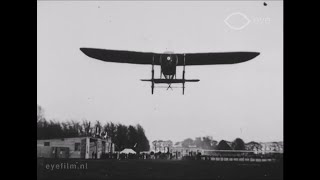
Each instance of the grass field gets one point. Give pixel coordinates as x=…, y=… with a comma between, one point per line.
x=156, y=169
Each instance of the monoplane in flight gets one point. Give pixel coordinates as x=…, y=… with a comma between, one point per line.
x=168, y=61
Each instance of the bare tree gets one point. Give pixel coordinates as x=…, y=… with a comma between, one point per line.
x=87, y=127
x=40, y=113
x=97, y=128
x=111, y=130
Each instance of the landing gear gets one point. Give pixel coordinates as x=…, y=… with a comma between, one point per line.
x=170, y=78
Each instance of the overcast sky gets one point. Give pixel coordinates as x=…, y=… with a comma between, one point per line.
x=241, y=100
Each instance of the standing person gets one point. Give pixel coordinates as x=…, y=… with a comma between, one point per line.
x=92, y=155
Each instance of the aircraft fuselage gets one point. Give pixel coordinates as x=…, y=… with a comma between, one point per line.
x=168, y=65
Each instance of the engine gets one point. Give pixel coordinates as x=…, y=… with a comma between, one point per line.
x=169, y=63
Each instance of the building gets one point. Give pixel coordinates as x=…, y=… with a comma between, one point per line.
x=179, y=151
x=272, y=147
x=254, y=146
x=265, y=147
x=161, y=146
x=77, y=147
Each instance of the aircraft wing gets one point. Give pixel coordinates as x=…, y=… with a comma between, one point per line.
x=134, y=57
x=120, y=56
x=216, y=58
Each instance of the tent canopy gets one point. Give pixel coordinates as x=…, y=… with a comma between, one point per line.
x=127, y=151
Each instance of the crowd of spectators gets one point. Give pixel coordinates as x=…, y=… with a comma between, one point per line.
x=190, y=156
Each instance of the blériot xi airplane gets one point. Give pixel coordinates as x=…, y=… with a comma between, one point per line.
x=169, y=62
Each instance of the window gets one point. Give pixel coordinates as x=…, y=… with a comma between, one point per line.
x=46, y=143
x=77, y=146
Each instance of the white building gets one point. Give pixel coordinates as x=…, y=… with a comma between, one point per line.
x=77, y=147
x=271, y=147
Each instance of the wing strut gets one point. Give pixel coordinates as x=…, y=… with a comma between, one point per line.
x=152, y=76
x=183, y=73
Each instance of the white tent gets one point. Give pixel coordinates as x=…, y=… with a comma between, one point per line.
x=127, y=151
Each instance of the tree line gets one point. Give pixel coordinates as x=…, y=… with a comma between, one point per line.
x=208, y=143
x=121, y=135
